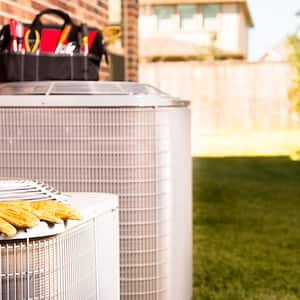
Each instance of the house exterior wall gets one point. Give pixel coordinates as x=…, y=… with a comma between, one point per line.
x=230, y=31
x=130, y=39
x=244, y=33
x=93, y=12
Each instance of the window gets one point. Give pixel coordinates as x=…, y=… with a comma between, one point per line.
x=115, y=12
x=209, y=13
x=164, y=15
x=147, y=21
x=146, y=10
x=187, y=17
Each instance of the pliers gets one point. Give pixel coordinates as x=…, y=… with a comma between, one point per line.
x=29, y=46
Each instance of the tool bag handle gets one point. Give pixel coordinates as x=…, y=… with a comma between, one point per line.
x=38, y=25
x=50, y=11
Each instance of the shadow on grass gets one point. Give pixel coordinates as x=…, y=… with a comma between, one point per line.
x=246, y=228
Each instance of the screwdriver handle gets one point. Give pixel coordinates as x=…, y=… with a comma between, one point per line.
x=65, y=34
x=85, y=39
x=12, y=28
x=13, y=34
x=63, y=37
x=84, y=29
x=19, y=35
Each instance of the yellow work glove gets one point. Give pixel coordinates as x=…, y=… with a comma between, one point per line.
x=17, y=216
x=7, y=228
x=26, y=214
x=42, y=214
x=55, y=209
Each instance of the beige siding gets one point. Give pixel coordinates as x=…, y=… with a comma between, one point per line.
x=243, y=34
x=228, y=34
x=231, y=32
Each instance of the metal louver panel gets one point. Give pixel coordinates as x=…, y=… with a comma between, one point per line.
x=118, y=150
x=42, y=268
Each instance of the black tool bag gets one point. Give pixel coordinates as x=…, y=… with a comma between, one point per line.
x=44, y=64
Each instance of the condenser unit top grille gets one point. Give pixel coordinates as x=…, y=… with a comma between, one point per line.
x=84, y=93
x=27, y=190
x=77, y=88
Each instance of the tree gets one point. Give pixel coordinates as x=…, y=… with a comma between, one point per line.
x=294, y=58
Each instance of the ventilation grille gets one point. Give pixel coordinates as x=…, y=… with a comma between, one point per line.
x=121, y=151
x=62, y=267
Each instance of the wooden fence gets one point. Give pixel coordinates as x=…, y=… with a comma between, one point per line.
x=228, y=98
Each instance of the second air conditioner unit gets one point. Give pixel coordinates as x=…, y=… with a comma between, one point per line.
x=78, y=260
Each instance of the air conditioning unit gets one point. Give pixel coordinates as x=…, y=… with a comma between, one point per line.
x=124, y=138
x=76, y=260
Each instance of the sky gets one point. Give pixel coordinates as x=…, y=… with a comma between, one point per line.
x=273, y=20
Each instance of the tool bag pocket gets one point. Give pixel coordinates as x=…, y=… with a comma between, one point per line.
x=44, y=62
x=33, y=67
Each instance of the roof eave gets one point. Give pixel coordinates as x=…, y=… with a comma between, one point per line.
x=248, y=15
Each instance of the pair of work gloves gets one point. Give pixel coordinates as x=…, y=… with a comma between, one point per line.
x=26, y=214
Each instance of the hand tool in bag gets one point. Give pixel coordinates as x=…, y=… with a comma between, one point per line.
x=32, y=45
x=79, y=41
x=68, y=49
x=63, y=37
x=19, y=35
x=13, y=35
x=84, y=39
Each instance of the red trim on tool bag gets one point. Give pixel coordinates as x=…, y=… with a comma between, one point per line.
x=50, y=37
x=49, y=40
x=91, y=36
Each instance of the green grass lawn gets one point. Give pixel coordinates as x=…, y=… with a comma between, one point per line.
x=246, y=228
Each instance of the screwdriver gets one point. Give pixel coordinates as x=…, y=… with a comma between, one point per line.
x=85, y=39
x=63, y=37
x=19, y=35
x=13, y=35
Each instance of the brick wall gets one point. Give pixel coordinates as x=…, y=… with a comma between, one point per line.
x=130, y=32
x=93, y=12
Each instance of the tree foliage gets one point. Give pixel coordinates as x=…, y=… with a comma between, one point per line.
x=294, y=58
